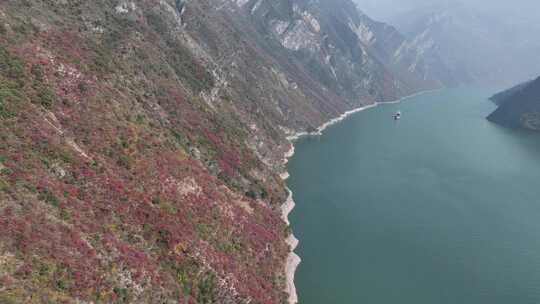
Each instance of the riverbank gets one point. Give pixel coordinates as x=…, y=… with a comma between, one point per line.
x=293, y=261
x=396, y=230
x=343, y=116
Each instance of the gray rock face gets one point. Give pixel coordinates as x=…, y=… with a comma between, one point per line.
x=351, y=54
x=180, y=5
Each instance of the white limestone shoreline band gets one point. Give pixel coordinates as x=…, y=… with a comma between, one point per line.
x=293, y=260
x=333, y=121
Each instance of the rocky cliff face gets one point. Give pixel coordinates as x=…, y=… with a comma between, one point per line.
x=142, y=140
x=345, y=50
x=519, y=107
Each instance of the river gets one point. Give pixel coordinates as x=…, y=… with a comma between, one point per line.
x=441, y=207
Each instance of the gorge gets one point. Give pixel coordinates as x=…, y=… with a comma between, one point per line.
x=142, y=142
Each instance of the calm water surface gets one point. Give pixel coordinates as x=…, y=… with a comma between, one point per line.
x=440, y=207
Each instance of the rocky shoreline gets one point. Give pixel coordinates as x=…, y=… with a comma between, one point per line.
x=293, y=260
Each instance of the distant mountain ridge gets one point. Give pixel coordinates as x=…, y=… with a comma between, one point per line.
x=477, y=46
x=519, y=107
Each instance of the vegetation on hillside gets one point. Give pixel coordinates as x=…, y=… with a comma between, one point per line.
x=118, y=182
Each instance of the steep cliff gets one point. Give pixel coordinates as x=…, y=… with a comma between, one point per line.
x=142, y=140
x=345, y=50
x=519, y=107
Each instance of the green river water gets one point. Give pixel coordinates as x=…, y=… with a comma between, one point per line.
x=441, y=207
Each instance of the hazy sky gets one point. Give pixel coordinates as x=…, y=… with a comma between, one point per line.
x=384, y=10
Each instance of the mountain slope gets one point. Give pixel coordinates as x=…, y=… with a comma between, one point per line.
x=341, y=47
x=126, y=177
x=142, y=141
x=519, y=107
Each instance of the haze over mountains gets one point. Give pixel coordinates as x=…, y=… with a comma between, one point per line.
x=483, y=42
x=385, y=10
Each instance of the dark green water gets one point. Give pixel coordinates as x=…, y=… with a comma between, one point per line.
x=440, y=207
